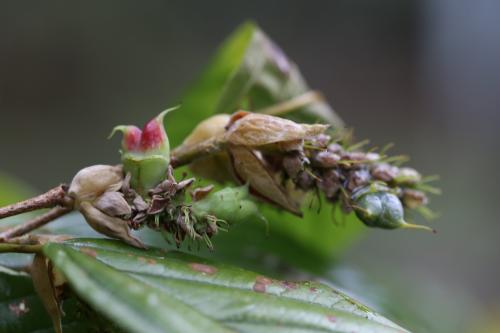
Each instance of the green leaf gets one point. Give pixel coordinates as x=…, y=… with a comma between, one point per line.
x=158, y=291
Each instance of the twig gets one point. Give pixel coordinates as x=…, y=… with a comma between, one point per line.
x=35, y=223
x=19, y=248
x=185, y=154
x=54, y=197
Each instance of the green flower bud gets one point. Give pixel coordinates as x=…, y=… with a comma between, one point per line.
x=381, y=209
x=145, y=153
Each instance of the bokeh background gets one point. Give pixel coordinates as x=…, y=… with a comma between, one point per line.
x=422, y=74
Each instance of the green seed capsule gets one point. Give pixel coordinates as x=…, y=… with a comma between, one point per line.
x=229, y=204
x=381, y=209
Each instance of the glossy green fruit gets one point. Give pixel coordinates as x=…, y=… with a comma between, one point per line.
x=381, y=209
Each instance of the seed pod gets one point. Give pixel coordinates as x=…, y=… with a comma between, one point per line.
x=107, y=225
x=269, y=132
x=381, y=209
x=230, y=204
x=146, y=153
x=113, y=204
x=91, y=182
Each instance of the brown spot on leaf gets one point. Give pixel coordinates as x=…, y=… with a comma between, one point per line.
x=259, y=287
x=313, y=289
x=20, y=308
x=202, y=268
x=332, y=318
x=261, y=282
x=88, y=251
x=151, y=262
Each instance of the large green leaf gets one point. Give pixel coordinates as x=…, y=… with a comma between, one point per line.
x=158, y=291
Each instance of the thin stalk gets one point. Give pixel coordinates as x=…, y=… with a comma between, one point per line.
x=35, y=223
x=54, y=197
x=19, y=248
x=185, y=154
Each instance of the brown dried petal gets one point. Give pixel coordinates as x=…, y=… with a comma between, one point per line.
x=184, y=183
x=250, y=169
x=113, y=204
x=201, y=192
x=89, y=183
x=140, y=204
x=158, y=204
x=254, y=130
x=45, y=289
x=107, y=225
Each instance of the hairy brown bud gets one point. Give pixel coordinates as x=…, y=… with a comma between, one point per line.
x=384, y=172
x=325, y=159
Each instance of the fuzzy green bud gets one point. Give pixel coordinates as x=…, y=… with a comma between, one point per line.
x=230, y=204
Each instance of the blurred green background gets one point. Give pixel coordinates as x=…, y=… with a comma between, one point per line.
x=422, y=74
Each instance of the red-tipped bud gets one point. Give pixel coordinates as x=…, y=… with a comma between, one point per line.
x=146, y=152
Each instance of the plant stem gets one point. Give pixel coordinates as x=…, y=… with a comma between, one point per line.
x=19, y=248
x=54, y=197
x=295, y=103
x=185, y=154
x=35, y=223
